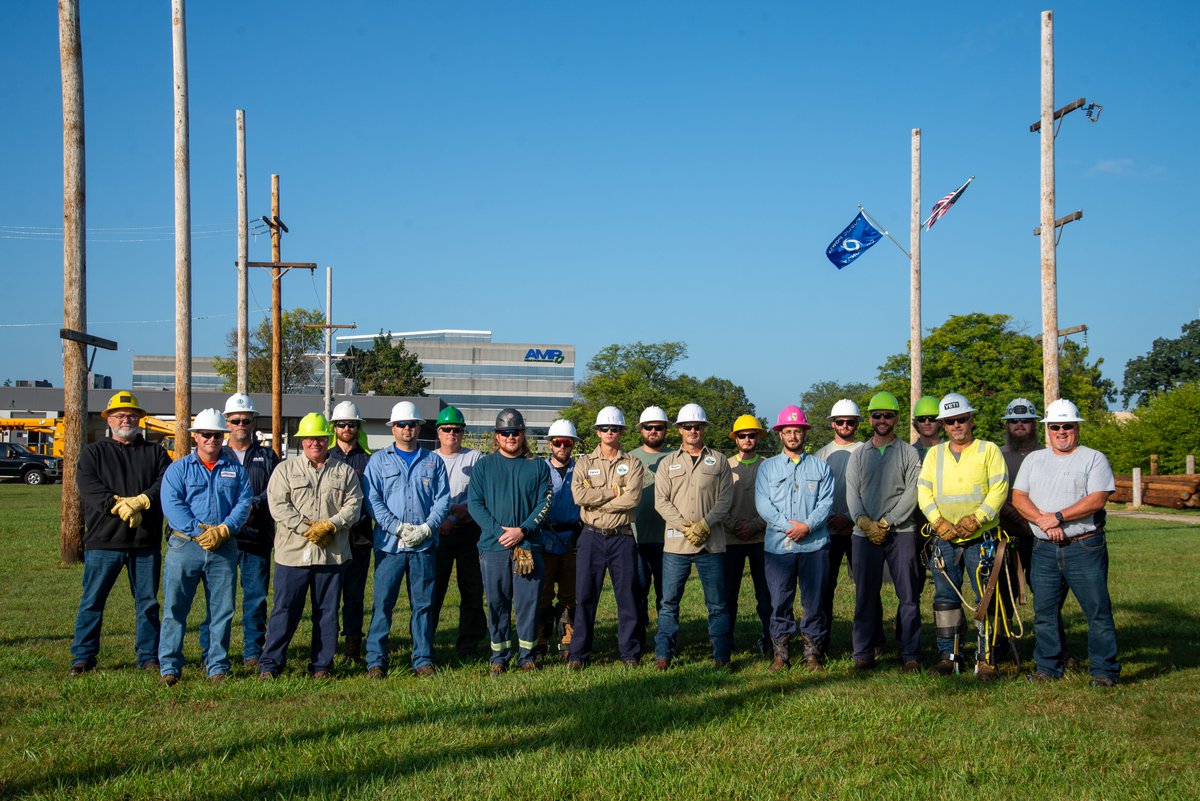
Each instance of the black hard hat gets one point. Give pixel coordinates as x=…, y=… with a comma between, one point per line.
x=509, y=418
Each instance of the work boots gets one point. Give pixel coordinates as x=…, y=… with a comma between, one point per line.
x=780, y=649
x=354, y=647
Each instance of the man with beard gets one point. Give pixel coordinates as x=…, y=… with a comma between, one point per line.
x=559, y=534
x=1020, y=440
x=648, y=526
x=351, y=448
x=119, y=481
x=747, y=530
x=927, y=425
x=844, y=418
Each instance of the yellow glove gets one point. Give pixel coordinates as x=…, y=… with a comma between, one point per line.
x=945, y=529
x=968, y=525
x=320, y=532
x=696, y=533
x=213, y=537
x=617, y=490
x=135, y=519
x=522, y=562
x=124, y=507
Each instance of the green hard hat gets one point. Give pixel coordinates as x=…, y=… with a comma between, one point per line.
x=450, y=416
x=883, y=402
x=927, y=406
x=314, y=424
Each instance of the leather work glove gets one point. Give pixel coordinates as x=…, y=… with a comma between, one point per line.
x=522, y=562
x=320, y=532
x=411, y=535
x=696, y=532
x=617, y=490
x=868, y=527
x=125, y=507
x=945, y=529
x=880, y=533
x=135, y=519
x=213, y=537
x=968, y=525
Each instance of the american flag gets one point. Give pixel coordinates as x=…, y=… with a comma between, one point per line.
x=943, y=205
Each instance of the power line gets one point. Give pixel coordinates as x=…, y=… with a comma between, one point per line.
x=124, y=322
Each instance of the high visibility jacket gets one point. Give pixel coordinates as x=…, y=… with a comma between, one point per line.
x=974, y=484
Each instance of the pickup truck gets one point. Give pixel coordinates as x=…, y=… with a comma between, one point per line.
x=17, y=461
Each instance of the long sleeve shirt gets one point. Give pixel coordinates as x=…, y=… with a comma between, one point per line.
x=362, y=532
x=691, y=488
x=648, y=526
x=108, y=468
x=402, y=493
x=800, y=490
x=744, y=510
x=509, y=493
x=974, y=483
x=259, y=461
x=192, y=494
x=883, y=485
x=592, y=486
x=300, y=494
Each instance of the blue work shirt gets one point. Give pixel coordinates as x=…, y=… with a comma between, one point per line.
x=192, y=494
x=563, y=512
x=800, y=490
x=399, y=493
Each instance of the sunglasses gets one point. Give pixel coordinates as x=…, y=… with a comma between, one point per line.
x=1061, y=426
x=210, y=434
x=692, y=427
x=747, y=435
x=925, y=419
x=449, y=430
x=1020, y=410
x=240, y=421
x=654, y=428
x=406, y=424
x=125, y=418
x=511, y=432
x=848, y=422
x=609, y=429
x=958, y=421
x=339, y=425
x=562, y=443
x=883, y=415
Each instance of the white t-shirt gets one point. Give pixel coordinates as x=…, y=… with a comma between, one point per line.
x=1055, y=481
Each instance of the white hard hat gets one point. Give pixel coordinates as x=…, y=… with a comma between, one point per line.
x=845, y=408
x=1062, y=411
x=240, y=402
x=691, y=413
x=346, y=410
x=405, y=412
x=563, y=428
x=1020, y=409
x=209, y=420
x=653, y=414
x=609, y=416
x=954, y=405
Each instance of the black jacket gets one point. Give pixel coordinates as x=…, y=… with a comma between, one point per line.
x=362, y=532
x=108, y=468
x=258, y=535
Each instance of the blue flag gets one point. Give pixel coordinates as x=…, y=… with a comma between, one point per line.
x=853, y=242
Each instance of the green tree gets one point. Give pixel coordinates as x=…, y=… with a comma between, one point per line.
x=985, y=358
x=818, y=402
x=299, y=368
x=385, y=369
x=1170, y=363
x=1165, y=425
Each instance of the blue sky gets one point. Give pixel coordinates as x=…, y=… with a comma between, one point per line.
x=609, y=172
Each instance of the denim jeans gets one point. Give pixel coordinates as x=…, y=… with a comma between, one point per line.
x=354, y=590
x=186, y=565
x=507, y=592
x=958, y=559
x=649, y=576
x=292, y=584
x=390, y=570
x=255, y=574
x=595, y=554
x=1081, y=567
x=736, y=557
x=710, y=567
x=100, y=572
x=899, y=551
x=810, y=571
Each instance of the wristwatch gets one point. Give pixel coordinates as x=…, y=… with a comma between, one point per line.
x=1058, y=516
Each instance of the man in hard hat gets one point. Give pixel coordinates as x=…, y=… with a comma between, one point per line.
x=458, y=538
x=409, y=497
x=794, y=494
x=559, y=533
x=693, y=491
x=963, y=484
x=745, y=532
x=1061, y=491
x=509, y=497
x=1020, y=439
x=607, y=485
x=350, y=447
x=119, y=480
x=314, y=500
x=648, y=526
x=844, y=419
x=881, y=494
x=927, y=425
x=256, y=537
x=206, y=497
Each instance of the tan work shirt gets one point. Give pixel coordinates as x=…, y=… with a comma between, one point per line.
x=297, y=492
x=592, y=487
x=687, y=489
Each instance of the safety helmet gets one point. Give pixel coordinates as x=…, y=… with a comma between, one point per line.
x=346, y=410
x=884, y=402
x=954, y=405
x=1062, y=411
x=510, y=418
x=609, y=416
x=691, y=413
x=653, y=414
x=563, y=428
x=314, y=424
x=927, y=406
x=791, y=416
x=240, y=402
x=747, y=422
x=209, y=420
x=122, y=400
x=1020, y=409
x=844, y=408
x=450, y=416
x=405, y=412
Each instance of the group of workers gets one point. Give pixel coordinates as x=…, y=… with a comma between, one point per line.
x=532, y=538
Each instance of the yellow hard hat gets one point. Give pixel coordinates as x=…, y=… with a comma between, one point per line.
x=314, y=424
x=747, y=422
x=122, y=400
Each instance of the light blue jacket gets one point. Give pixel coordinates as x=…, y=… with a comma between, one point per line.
x=192, y=494
x=801, y=490
x=399, y=494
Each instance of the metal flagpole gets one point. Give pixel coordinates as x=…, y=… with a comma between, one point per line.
x=883, y=231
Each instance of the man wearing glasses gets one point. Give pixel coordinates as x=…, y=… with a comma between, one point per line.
x=119, y=480
x=648, y=526
x=559, y=534
x=1061, y=491
x=409, y=497
x=748, y=530
x=844, y=419
x=350, y=443
x=1020, y=439
x=458, y=538
x=962, y=486
x=206, y=497
x=607, y=485
x=509, y=497
x=927, y=425
x=693, y=491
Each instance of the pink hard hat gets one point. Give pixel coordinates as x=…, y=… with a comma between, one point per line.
x=791, y=416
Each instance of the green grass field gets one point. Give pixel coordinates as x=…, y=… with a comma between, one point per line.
x=605, y=733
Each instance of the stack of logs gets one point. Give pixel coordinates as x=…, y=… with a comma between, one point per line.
x=1176, y=492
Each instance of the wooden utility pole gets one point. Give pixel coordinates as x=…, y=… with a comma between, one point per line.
x=183, y=235
x=1049, y=266
x=914, y=291
x=70, y=48
x=276, y=325
x=243, y=359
